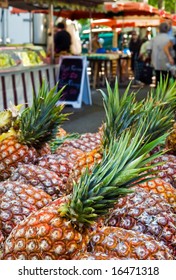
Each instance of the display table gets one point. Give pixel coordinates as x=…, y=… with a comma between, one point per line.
x=106, y=66
x=18, y=85
x=22, y=70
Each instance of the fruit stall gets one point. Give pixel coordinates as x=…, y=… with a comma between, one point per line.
x=22, y=69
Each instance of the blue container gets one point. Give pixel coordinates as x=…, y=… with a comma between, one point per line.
x=101, y=50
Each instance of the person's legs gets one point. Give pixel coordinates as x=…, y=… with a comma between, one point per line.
x=138, y=65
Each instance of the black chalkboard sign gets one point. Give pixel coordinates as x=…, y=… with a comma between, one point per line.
x=73, y=75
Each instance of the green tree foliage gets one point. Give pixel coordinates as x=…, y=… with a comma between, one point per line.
x=169, y=5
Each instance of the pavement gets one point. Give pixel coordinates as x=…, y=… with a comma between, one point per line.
x=90, y=117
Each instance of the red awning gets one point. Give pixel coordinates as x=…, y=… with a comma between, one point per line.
x=128, y=21
x=130, y=8
x=18, y=11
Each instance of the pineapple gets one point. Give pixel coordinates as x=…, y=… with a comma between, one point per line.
x=147, y=213
x=167, y=169
x=127, y=244
x=86, y=142
x=12, y=153
x=7, y=118
x=17, y=201
x=35, y=126
x=164, y=189
x=62, y=163
x=70, y=154
x=44, y=235
x=41, y=178
x=62, y=229
x=50, y=172
x=86, y=151
x=84, y=161
x=61, y=166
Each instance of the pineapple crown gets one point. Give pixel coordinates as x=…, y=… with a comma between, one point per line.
x=8, y=117
x=165, y=93
x=122, y=112
x=39, y=123
x=158, y=110
x=124, y=164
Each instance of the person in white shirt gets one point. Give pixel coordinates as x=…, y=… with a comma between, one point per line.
x=161, y=54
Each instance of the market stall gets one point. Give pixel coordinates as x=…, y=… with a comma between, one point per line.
x=22, y=69
x=19, y=79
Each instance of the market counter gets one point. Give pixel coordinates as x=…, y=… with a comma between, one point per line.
x=18, y=85
x=22, y=70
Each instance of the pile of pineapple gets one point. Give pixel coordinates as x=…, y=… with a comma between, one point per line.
x=104, y=195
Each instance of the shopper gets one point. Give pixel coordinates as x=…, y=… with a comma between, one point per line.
x=144, y=63
x=76, y=47
x=134, y=47
x=62, y=40
x=161, y=54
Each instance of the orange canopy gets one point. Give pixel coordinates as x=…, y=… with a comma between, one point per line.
x=129, y=21
x=129, y=8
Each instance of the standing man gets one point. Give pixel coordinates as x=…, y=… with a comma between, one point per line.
x=62, y=40
x=161, y=53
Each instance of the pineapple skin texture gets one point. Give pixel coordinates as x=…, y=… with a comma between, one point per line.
x=162, y=188
x=128, y=244
x=85, y=161
x=41, y=178
x=86, y=143
x=148, y=213
x=167, y=170
x=11, y=154
x=44, y=235
x=17, y=201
